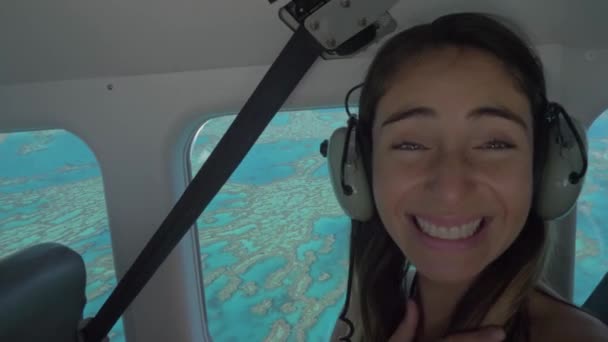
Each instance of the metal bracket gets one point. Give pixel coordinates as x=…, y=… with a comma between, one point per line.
x=339, y=20
x=343, y=27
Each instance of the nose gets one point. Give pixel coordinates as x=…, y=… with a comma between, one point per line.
x=450, y=177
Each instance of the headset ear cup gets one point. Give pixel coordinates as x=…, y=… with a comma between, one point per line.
x=358, y=204
x=556, y=194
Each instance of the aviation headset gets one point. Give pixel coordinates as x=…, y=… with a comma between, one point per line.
x=560, y=181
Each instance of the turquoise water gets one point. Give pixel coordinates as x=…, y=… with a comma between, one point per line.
x=273, y=243
x=274, y=269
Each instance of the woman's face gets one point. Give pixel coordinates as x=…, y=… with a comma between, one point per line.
x=452, y=161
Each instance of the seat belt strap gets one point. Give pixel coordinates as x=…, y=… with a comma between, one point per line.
x=289, y=68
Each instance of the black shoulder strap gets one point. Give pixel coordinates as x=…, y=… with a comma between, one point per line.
x=289, y=68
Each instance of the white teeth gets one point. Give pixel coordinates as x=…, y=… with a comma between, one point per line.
x=449, y=233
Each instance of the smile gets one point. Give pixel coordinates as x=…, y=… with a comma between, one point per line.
x=449, y=232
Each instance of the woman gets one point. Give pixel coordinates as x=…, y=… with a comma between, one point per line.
x=451, y=133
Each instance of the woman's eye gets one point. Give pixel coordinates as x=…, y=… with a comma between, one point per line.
x=409, y=146
x=497, y=145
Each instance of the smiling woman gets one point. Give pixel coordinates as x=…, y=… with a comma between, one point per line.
x=453, y=132
x=473, y=166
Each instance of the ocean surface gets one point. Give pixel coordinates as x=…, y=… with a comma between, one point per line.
x=273, y=243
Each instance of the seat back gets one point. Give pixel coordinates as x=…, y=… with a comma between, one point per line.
x=597, y=303
x=42, y=294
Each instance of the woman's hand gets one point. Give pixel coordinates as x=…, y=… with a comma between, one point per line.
x=406, y=331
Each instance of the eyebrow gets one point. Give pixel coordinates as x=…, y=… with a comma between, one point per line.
x=500, y=112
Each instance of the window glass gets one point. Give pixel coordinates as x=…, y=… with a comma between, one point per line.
x=51, y=191
x=274, y=241
x=592, y=215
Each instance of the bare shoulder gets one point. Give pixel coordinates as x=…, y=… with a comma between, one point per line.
x=556, y=320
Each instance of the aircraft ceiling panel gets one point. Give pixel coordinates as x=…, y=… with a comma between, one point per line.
x=71, y=39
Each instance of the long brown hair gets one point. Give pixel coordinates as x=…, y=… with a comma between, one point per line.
x=378, y=264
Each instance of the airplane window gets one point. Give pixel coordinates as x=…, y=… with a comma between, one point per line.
x=274, y=241
x=51, y=191
x=592, y=219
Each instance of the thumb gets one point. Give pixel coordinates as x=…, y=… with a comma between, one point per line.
x=406, y=330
